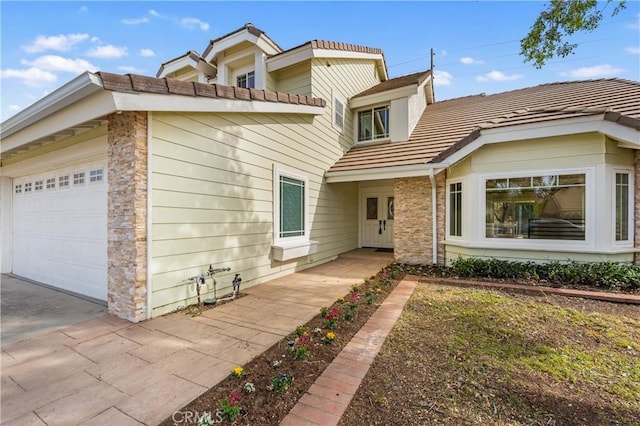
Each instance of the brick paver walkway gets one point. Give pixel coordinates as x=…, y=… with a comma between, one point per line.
x=330, y=395
x=110, y=372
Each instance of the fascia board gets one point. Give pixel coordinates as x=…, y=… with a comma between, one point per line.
x=381, y=173
x=164, y=103
x=306, y=52
x=90, y=108
x=386, y=96
x=82, y=86
x=230, y=42
x=561, y=127
x=290, y=58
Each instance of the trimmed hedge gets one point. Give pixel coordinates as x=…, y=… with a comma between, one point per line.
x=607, y=275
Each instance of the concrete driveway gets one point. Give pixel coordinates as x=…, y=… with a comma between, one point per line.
x=28, y=309
x=108, y=371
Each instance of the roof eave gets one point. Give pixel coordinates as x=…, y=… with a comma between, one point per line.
x=628, y=136
x=76, y=89
x=378, y=173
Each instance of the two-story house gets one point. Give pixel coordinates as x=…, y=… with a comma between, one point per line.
x=267, y=161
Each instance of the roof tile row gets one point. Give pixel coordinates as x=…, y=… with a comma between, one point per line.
x=129, y=83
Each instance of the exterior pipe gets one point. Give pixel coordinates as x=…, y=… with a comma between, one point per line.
x=434, y=217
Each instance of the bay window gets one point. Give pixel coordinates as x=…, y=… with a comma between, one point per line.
x=455, y=209
x=622, y=207
x=536, y=207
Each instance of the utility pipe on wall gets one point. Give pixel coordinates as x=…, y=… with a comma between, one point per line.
x=434, y=217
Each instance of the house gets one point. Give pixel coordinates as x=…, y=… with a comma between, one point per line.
x=266, y=161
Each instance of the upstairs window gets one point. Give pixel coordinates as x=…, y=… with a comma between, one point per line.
x=373, y=124
x=246, y=80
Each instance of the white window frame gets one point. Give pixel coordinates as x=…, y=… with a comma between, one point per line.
x=28, y=187
x=17, y=188
x=84, y=178
x=48, y=183
x=630, y=172
x=448, y=235
x=38, y=185
x=292, y=174
x=67, y=181
x=542, y=244
x=99, y=175
x=334, y=112
x=356, y=124
x=244, y=72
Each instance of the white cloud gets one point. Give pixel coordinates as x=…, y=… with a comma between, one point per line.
x=192, y=23
x=60, y=42
x=468, y=60
x=444, y=53
x=441, y=78
x=147, y=53
x=131, y=70
x=84, y=9
x=636, y=24
x=95, y=39
x=603, y=70
x=33, y=77
x=14, y=108
x=152, y=12
x=498, y=76
x=108, y=52
x=633, y=50
x=135, y=21
x=58, y=63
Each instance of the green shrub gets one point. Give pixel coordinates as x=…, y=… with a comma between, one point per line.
x=608, y=275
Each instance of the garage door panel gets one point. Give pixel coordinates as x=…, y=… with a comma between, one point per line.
x=60, y=233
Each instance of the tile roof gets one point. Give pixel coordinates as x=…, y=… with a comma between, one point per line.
x=335, y=45
x=192, y=54
x=251, y=29
x=448, y=125
x=394, y=83
x=170, y=86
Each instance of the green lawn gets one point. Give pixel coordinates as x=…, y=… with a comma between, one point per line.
x=465, y=356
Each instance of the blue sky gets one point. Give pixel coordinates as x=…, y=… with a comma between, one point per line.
x=46, y=44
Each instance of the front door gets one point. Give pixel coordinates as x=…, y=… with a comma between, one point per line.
x=377, y=216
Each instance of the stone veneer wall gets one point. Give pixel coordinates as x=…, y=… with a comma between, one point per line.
x=413, y=226
x=637, y=201
x=127, y=215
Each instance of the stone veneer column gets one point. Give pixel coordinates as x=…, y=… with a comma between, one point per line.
x=127, y=215
x=413, y=226
x=637, y=201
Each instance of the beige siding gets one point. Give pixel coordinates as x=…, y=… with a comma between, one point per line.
x=455, y=252
x=557, y=152
x=295, y=79
x=347, y=77
x=550, y=153
x=212, y=189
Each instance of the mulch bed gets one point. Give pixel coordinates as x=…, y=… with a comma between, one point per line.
x=266, y=406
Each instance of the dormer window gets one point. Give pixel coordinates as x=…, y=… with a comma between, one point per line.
x=246, y=80
x=373, y=124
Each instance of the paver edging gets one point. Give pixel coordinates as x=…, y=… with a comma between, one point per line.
x=323, y=384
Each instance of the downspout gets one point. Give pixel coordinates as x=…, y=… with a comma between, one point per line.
x=149, y=210
x=434, y=217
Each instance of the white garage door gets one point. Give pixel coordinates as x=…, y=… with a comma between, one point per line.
x=60, y=229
